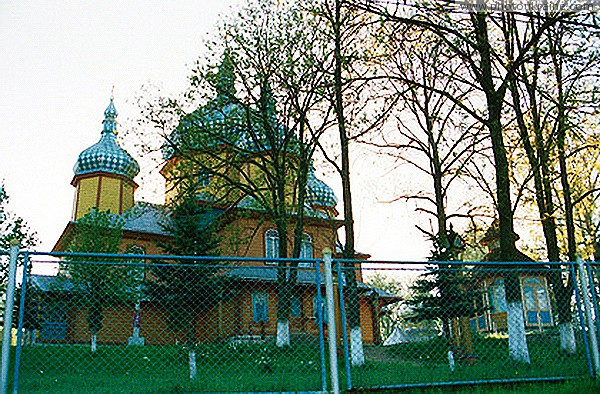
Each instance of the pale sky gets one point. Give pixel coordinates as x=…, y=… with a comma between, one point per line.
x=58, y=63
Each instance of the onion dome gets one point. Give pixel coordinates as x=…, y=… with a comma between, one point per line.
x=318, y=193
x=106, y=155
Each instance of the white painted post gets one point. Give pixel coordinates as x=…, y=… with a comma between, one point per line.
x=8, y=315
x=331, y=330
x=588, y=316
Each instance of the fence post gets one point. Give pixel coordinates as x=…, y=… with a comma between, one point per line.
x=321, y=326
x=344, y=325
x=8, y=314
x=594, y=298
x=579, y=302
x=589, y=319
x=21, y=322
x=331, y=330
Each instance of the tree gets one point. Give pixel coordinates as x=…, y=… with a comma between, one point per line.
x=548, y=98
x=189, y=287
x=483, y=43
x=445, y=292
x=98, y=282
x=350, y=90
x=12, y=227
x=255, y=133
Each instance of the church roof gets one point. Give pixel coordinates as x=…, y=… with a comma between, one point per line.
x=318, y=193
x=106, y=155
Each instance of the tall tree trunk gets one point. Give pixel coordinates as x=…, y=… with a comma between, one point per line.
x=539, y=163
x=565, y=290
x=356, y=341
x=284, y=302
x=517, y=340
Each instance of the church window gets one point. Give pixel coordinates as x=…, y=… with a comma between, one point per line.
x=306, y=250
x=537, y=305
x=272, y=244
x=260, y=306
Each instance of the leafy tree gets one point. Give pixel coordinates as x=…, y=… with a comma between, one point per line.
x=11, y=227
x=262, y=113
x=189, y=287
x=493, y=46
x=98, y=283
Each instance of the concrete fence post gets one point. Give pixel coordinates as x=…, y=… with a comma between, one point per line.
x=8, y=315
x=331, y=329
x=588, y=317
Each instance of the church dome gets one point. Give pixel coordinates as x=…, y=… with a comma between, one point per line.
x=106, y=155
x=318, y=193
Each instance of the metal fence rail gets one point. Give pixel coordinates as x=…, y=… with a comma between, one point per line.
x=140, y=323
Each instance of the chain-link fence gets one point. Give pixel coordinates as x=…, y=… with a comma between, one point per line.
x=138, y=323
x=475, y=322
x=150, y=324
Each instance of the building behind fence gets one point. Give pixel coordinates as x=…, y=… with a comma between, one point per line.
x=148, y=341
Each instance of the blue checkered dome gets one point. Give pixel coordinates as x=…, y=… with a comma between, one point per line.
x=106, y=155
x=318, y=193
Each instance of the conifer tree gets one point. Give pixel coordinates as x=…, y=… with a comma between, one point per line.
x=189, y=287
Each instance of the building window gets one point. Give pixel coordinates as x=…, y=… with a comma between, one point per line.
x=537, y=305
x=272, y=244
x=306, y=250
x=296, y=308
x=323, y=302
x=260, y=306
x=497, y=296
x=203, y=177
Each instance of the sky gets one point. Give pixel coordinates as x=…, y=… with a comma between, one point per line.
x=59, y=61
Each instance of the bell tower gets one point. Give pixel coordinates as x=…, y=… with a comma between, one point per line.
x=104, y=173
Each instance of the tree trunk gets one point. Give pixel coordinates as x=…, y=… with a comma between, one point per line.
x=356, y=342
x=517, y=341
x=284, y=293
x=518, y=350
x=191, y=351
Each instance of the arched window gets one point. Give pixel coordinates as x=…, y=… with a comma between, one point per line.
x=306, y=250
x=272, y=244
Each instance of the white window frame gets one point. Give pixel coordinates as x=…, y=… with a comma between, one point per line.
x=306, y=251
x=271, y=245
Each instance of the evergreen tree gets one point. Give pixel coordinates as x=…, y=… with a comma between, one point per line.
x=189, y=287
x=445, y=292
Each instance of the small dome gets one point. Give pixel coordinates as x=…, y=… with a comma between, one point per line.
x=106, y=155
x=318, y=193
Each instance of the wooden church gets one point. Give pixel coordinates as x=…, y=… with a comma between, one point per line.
x=104, y=178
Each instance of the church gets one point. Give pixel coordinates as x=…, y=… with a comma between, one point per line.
x=104, y=179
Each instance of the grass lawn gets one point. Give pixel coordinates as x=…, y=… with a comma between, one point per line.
x=424, y=362
x=264, y=367
x=161, y=369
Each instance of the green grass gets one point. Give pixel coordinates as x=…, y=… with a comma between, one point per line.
x=262, y=367
x=427, y=361
x=160, y=369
